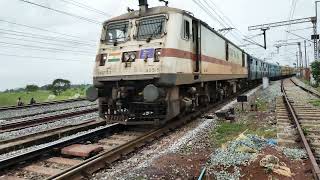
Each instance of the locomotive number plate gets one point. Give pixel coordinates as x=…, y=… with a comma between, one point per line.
x=147, y=53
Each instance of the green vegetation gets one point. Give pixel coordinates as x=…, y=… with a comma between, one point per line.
x=315, y=102
x=262, y=104
x=59, y=89
x=226, y=131
x=10, y=98
x=305, y=81
x=315, y=66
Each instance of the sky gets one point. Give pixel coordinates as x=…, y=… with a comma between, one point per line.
x=66, y=46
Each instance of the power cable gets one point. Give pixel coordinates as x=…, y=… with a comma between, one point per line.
x=43, y=48
x=49, y=38
x=41, y=29
x=41, y=42
x=42, y=58
x=84, y=6
x=62, y=12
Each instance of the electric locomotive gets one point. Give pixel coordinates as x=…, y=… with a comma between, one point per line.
x=156, y=63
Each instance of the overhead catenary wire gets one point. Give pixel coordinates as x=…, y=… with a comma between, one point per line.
x=62, y=12
x=45, y=48
x=214, y=9
x=84, y=6
x=41, y=42
x=44, y=37
x=41, y=58
x=205, y=9
x=43, y=29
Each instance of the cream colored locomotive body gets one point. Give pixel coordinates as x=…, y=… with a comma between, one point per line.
x=177, y=52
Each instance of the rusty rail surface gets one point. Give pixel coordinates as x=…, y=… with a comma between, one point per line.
x=315, y=166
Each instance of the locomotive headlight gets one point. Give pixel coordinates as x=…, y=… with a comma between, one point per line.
x=126, y=57
x=157, y=55
x=129, y=56
x=133, y=56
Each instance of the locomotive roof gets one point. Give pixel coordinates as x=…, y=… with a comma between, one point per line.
x=149, y=12
x=163, y=10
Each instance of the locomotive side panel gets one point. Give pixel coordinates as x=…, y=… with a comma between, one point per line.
x=177, y=54
x=215, y=52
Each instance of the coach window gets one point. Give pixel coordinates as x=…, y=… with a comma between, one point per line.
x=186, y=32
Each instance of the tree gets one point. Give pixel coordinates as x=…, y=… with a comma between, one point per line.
x=32, y=88
x=315, y=66
x=60, y=85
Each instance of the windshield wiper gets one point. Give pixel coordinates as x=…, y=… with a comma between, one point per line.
x=154, y=32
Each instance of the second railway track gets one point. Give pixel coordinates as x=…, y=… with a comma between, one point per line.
x=299, y=121
x=16, y=125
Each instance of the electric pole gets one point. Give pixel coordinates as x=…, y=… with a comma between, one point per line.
x=305, y=54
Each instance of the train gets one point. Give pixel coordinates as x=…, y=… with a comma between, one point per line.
x=154, y=64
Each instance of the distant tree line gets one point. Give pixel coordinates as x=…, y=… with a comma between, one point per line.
x=56, y=87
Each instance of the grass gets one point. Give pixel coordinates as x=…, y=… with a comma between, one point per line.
x=315, y=102
x=10, y=98
x=226, y=131
x=262, y=104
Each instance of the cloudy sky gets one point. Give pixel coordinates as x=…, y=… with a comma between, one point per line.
x=65, y=47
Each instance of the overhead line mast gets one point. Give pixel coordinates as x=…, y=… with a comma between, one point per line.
x=267, y=26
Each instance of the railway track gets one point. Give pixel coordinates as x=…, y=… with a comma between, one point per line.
x=17, y=125
x=298, y=121
x=115, y=141
x=40, y=104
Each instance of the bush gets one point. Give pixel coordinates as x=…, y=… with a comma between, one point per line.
x=315, y=66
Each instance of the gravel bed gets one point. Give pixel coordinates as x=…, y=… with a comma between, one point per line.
x=28, y=118
x=33, y=148
x=43, y=109
x=48, y=126
x=242, y=152
x=174, y=143
x=181, y=141
x=271, y=93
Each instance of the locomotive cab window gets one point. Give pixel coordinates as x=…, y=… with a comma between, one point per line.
x=186, y=30
x=117, y=32
x=151, y=28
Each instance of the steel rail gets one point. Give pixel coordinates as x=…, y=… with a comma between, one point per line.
x=10, y=161
x=315, y=166
x=22, y=124
x=46, y=136
x=315, y=93
x=106, y=158
x=41, y=104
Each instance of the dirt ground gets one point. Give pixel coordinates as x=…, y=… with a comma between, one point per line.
x=190, y=157
x=300, y=168
x=189, y=163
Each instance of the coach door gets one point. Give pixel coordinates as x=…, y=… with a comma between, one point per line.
x=196, y=38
